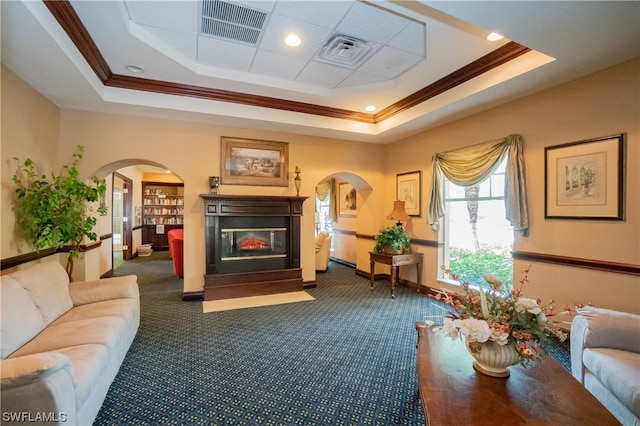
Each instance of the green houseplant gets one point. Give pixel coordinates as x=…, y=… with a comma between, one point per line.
x=392, y=240
x=56, y=211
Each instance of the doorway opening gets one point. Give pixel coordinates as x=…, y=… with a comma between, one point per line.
x=121, y=217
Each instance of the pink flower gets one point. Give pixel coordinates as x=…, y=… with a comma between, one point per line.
x=526, y=351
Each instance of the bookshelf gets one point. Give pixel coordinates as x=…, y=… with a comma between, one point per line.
x=162, y=210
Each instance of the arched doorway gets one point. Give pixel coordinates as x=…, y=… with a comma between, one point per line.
x=121, y=230
x=337, y=212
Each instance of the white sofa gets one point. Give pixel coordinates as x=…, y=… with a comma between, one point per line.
x=62, y=343
x=605, y=358
x=323, y=250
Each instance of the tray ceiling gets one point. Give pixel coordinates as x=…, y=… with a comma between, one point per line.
x=224, y=62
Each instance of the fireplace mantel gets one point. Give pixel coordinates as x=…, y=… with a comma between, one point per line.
x=269, y=263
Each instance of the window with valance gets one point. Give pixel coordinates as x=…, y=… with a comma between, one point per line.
x=469, y=166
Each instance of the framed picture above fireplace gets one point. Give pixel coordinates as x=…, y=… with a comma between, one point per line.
x=253, y=162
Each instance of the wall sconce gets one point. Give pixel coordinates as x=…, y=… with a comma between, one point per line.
x=399, y=213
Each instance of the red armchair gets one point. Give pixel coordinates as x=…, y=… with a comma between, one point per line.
x=174, y=233
x=176, y=250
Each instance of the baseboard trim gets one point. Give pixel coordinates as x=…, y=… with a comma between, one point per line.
x=193, y=296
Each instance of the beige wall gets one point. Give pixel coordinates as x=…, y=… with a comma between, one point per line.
x=192, y=152
x=30, y=127
x=601, y=104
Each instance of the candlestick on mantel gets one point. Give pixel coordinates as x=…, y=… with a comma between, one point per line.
x=297, y=181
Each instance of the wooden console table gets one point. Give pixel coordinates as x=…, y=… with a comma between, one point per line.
x=395, y=261
x=453, y=393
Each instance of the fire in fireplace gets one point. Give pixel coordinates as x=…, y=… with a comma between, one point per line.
x=253, y=243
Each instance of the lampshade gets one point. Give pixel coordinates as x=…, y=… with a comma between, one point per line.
x=399, y=213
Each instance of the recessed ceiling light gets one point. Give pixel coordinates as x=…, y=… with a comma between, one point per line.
x=292, y=40
x=134, y=69
x=370, y=108
x=494, y=37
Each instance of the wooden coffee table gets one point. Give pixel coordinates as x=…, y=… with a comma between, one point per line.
x=453, y=393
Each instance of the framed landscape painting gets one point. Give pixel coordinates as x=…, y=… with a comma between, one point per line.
x=253, y=162
x=585, y=179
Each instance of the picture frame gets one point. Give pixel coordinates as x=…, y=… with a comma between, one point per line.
x=347, y=200
x=585, y=179
x=253, y=162
x=138, y=216
x=409, y=190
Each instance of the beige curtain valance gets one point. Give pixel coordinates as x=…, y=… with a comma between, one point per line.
x=327, y=191
x=470, y=166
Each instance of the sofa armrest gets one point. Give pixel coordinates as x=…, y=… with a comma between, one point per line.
x=38, y=384
x=84, y=292
x=26, y=369
x=602, y=328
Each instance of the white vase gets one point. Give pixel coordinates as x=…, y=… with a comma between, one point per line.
x=493, y=359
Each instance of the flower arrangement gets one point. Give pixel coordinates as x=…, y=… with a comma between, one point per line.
x=504, y=317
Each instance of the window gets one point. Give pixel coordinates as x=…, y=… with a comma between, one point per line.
x=323, y=222
x=477, y=237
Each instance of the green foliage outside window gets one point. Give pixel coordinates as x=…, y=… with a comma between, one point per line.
x=471, y=265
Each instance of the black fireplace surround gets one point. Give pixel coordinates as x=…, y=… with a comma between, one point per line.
x=252, y=245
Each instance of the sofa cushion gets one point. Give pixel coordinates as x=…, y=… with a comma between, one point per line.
x=618, y=371
x=105, y=331
x=20, y=318
x=48, y=285
x=86, y=292
x=122, y=308
x=88, y=362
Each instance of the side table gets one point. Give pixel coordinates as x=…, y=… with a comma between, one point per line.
x=395, y=261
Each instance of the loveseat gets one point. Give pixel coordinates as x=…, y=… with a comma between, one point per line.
x=62, y=343
x=605, y=358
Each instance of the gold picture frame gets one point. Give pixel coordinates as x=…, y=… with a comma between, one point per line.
x=253, y=162
x=347, y=200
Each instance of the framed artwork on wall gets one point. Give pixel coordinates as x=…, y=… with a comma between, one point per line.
x=253, y=162
x=585, y=179
x=348, y=206
x=409, y=190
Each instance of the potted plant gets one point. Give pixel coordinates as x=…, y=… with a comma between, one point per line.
x=392, y=240
x=55, y=211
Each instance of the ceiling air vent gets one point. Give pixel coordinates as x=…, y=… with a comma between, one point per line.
x=232, y=22
x=346, y=51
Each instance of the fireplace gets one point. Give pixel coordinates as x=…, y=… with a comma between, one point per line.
x=252, y=245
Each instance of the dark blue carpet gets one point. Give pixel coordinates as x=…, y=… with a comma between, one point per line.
x=347, y=358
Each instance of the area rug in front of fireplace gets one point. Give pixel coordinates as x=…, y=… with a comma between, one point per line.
x=255, y=301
